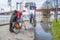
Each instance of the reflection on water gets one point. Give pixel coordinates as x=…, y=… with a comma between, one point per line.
x=43, y=29
x=41, y=34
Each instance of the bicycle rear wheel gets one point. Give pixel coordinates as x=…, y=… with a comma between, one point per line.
x=16, y=27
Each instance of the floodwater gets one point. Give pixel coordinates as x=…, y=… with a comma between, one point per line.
x=43, y=30
x=41, y=34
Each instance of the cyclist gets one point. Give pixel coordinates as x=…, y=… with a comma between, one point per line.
x=19, y=16
x=16, y=16
x=13, y=19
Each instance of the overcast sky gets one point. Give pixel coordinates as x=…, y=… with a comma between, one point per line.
x=4, y=3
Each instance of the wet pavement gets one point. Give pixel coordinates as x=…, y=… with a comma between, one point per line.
x=39, y=31
x=23, y=35
x=41, y=34
x=42, y=31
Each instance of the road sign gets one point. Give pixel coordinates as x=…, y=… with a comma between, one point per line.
x=32, y=7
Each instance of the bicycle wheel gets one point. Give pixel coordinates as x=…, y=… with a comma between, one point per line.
x=16, y=27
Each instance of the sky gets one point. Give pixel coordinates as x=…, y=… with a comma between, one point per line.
x=4, y=4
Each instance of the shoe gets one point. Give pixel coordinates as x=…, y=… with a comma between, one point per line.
x=11, y=30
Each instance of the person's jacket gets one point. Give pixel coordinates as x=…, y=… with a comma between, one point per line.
x=13, y=17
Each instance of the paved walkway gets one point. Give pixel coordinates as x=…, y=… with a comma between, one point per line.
x=23, y=35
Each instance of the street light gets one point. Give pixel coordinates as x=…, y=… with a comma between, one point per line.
x=56, y=10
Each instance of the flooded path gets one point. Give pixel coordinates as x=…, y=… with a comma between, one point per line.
x=41, y=34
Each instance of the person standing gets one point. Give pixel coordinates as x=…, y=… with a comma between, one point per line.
x=13, y=19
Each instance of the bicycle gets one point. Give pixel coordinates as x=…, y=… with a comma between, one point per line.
x=16, y=27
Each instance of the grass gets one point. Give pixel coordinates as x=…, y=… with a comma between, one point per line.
x=56, y=29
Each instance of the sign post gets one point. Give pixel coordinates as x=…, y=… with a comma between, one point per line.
x=17, y=5
x=9, y=4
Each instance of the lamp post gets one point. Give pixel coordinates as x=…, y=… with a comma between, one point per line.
x=56, y=10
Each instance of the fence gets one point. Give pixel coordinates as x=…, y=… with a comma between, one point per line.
x=4, y=19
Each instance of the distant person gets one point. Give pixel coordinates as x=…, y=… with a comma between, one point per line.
x=19, y=18
x=31, y=17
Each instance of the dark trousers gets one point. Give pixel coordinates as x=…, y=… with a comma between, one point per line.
x=10, y=29
x=31, y=20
